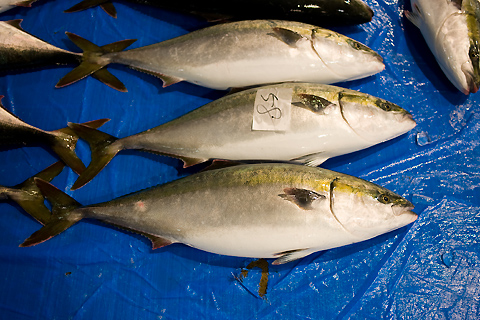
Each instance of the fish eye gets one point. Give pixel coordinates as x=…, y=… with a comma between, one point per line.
x=357, y=45
x=383, y=198
x=386, y=106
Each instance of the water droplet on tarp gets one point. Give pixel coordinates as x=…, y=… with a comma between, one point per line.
x=447, y=258
x=421, y=199
x=423, y=139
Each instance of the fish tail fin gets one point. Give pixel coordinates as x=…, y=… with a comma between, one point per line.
x=106, y=5
x=64, y=145
x=63, y=214
x=101, y=149
x=93, y=62
x=31, y=199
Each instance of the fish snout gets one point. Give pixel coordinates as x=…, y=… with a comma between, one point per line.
x=405, y=212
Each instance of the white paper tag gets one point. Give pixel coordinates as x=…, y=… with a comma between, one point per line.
x=272, y=109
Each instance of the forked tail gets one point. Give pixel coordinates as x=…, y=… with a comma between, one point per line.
x=93, y=63
x=63, y=214
x=102, y=153
x=64, y=145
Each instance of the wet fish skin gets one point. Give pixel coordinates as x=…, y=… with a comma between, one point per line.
x=280, y=211
x=28, y=195
x=317, y=12
x=452, y=32
x=326, y=121
x=16, y=133
x=242, y=54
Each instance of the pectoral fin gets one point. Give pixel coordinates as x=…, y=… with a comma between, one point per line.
x=303, y=198
x=415, y=16
x=313, y=103
x=291, y=255
x=288, y=36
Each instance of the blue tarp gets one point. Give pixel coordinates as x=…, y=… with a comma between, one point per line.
x=428, y=270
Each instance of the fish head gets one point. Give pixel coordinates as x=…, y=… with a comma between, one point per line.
x=347, y=58
x=367, y=210
x=372, y=118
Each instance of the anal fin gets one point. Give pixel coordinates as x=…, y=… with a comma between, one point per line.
x=291, y=255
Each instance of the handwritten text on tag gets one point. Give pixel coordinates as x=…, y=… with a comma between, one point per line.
x=272, y=109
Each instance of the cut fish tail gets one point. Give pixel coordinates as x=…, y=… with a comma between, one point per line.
x=93, y=62
x=102, y=153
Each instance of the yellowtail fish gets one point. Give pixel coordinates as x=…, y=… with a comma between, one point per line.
x=302, y=122
x=280, y=211
x=241, y=54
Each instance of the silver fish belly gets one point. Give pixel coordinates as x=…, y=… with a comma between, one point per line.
x=281, y=211
x=253, y=52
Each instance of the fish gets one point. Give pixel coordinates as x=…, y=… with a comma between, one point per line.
x=241, y=54
x=313, y=122
x=6, y=5
x=28, y=195
x=16, y=133
x=451, y=29
x=274, y=210
x=318, y=12
x=22, y=50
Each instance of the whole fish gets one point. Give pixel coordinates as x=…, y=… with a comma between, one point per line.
x=10, y=4
x=16, y=133
x=281, y=211
x=241, y=54
x=21, y=50
x=317, y=12
x=28, y=195
x=303, y=122
x=452, y=31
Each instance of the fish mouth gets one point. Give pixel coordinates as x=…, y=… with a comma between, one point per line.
x=405, y=212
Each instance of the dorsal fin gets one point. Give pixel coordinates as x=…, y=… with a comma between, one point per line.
x=15, y=23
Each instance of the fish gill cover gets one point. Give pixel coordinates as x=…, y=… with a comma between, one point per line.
x=427, y=270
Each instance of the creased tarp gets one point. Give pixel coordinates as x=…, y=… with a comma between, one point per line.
x=427, y=270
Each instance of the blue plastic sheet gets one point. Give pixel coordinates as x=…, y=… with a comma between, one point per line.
x=426, y=270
